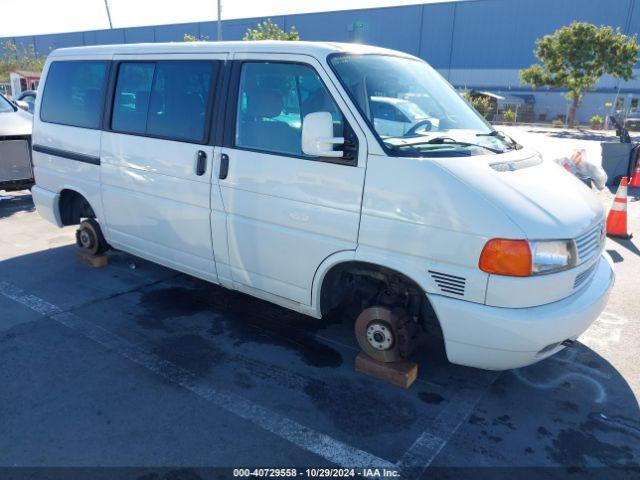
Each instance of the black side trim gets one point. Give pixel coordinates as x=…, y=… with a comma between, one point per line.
x=446, y=275
x=78, y=157
x=219, y=105
x=231, y=107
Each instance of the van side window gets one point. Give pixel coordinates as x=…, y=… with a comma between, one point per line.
x=165, y=99
x=74, y=93
x=179, y=100
x=272, y=101
x=131, y=98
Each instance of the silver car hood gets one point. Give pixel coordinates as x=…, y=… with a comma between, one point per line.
x=15, y=123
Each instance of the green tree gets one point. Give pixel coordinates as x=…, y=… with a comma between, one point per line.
x=192, y=38
x=576, y=56
x=268, y=30
x=509, y=116
x=481, y=103
x=596, y=122
x=22, y=58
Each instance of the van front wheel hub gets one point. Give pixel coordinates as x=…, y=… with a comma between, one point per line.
x=379, y=336
x=385, y=334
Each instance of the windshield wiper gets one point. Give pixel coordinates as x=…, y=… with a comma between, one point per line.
x=446, y=141
x=492, y=133
x=501, y=136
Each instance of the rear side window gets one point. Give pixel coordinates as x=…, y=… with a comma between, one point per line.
x=131, y=101
x=164, y=99
x=74, y=93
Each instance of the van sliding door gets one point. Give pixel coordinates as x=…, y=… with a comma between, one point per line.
x=157, y=159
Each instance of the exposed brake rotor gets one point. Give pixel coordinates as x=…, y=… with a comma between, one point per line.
x=384, y=334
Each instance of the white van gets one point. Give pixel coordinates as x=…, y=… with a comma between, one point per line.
x=258, y=166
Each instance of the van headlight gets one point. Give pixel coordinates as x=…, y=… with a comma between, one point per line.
x=521, y=258
x=552, y=255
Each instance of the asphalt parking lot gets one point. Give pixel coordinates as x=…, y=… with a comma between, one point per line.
x=137, y=365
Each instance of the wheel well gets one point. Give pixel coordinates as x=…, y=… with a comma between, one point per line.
x=74, y=207
x=354, y=286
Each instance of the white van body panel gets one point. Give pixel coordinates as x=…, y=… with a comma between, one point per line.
x=284, y=219
x=47, y=204
x=278, y=224
x=544, y=200
x=153, y=199
x=55, y=173
x=502, y=338
x=434, y=223
x=219, y=234
x=286, y=214
x=164, y=216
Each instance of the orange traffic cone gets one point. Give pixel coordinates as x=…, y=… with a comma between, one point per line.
x=635, y=178
x=617, y=218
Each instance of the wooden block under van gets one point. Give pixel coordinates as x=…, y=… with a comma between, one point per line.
x=95, y=261
x=401, y=374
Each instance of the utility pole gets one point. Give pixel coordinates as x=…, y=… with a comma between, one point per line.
x=106, y=5
x=219, y=20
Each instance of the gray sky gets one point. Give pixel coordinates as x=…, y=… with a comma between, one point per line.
x=55, y=16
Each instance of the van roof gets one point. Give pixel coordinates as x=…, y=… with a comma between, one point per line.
x=317, y=49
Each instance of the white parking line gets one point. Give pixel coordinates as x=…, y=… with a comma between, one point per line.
x=303, y=437
x=413, y=462
x=429, y=444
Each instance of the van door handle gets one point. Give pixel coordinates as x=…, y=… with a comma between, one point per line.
x=201, y=164
x=224, y=166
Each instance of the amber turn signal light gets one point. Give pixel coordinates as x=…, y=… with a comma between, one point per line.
x=506, y=257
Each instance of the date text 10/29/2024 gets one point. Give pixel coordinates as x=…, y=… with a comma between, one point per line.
x=316, y=472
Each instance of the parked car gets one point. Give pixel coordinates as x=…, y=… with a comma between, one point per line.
x=259, y=167
x=16, y=172
x=632, y=122
x=397, y=117
x=28, y=97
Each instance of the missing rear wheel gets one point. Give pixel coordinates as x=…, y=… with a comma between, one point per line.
x=89, y=237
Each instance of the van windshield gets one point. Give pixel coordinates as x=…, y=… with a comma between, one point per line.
x=413, y=110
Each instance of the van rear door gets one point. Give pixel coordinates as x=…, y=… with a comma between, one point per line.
x=157, y=159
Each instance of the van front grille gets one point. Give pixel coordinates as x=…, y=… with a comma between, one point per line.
x=583, y=276
x=449, y=283
x=589, y=243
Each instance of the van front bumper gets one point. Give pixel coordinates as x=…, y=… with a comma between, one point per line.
x=497, y=338
x=46, y=203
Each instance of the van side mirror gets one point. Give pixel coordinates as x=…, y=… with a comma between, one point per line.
x=317, y=136
x=23, y=105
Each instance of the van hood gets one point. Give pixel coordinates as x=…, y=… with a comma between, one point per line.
x=542, y=198
x=15, y=123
